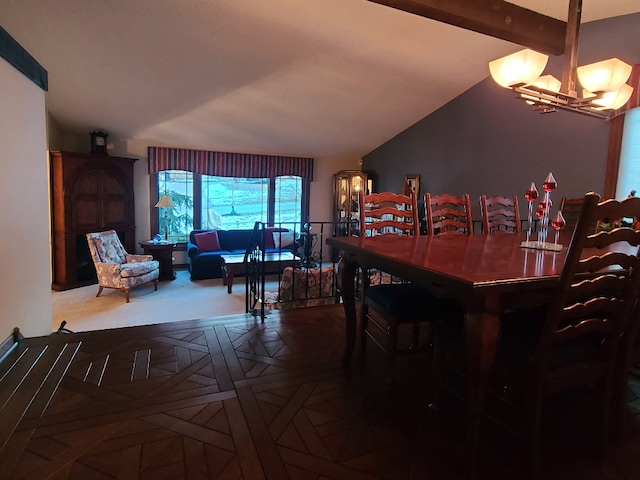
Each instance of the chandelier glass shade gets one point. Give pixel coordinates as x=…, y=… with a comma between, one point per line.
x=605, y=88
x=611, y=100
x=520, y=68
x=606, y=76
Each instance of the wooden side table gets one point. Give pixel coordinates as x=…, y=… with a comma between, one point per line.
x=163, y=253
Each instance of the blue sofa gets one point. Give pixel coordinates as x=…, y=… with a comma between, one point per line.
x=205, y=248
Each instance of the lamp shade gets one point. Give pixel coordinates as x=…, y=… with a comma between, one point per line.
x=548, y=82
x=520, y=68
x=611, y=100
x=165, y=202
x=605, y=76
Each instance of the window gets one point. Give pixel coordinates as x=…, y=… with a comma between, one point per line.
x=288, y=208
x=205, y=201
x=629, y=169
x=230, y=202
x=178, y=184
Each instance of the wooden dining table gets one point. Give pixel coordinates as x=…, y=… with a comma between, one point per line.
x=485, y=273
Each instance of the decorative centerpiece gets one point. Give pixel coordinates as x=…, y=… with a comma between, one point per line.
x=542, y=212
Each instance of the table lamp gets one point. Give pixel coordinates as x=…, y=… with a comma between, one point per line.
x=165, y=202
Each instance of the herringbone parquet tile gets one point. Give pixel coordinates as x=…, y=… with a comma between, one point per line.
x=225, y=398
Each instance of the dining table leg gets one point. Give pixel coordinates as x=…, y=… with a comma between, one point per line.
x=346, y=285
x=482, y=326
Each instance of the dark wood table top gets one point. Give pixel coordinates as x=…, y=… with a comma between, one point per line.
x=478, y=262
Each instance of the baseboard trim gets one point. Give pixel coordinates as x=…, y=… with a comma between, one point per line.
x=11, y=342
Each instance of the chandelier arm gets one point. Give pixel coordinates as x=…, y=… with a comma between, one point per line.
x=547, y=101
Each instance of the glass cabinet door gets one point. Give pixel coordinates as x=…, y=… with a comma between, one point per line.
x=347, y=186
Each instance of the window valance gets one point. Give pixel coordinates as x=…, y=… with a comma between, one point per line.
x=226, y=164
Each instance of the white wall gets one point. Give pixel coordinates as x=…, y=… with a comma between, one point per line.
x=25, y=296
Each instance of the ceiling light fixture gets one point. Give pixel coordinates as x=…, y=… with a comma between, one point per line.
x=604, y=83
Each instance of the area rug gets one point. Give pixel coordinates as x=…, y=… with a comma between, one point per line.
x=180, y=299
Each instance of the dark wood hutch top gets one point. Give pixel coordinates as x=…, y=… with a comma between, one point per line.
x=91, y=192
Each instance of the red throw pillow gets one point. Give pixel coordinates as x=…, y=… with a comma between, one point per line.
x=207, y=241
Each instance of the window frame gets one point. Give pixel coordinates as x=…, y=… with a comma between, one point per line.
x=154, y=196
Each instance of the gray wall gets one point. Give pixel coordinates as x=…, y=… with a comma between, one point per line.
x=486, y=141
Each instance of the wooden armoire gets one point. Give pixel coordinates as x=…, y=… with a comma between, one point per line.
x=90, y=193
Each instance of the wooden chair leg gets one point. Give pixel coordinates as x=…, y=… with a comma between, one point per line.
x=100, y=287
x=534, y=427
x=629, y=355
x=415, y=342
x=429, y=335
x=437, y=377
x=155, y=285
x=606, y=403
x=126, y=295
x=364, y=323
x=392, y=347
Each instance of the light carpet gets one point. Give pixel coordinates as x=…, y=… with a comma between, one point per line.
x=180, y=299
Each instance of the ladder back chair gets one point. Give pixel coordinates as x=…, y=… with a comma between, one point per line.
x=447, y=214
x=500, y=214
x=570, y=208
x=389, y=212
x=581, y=337
x=387, y=306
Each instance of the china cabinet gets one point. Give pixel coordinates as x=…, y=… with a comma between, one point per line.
x=347, y=187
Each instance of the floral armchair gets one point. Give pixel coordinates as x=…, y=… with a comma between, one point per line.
x=118, y=269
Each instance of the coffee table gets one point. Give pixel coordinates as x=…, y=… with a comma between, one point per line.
x=233, y=265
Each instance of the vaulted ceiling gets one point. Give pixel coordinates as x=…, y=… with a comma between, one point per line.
x=321, y=78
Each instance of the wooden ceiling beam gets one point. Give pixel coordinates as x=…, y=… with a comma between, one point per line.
x=496, y=18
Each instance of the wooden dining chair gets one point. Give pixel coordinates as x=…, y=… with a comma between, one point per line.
x=573, y=340
x=387, y=306
x=570, y=208
x=389, y=212
x=500, y=214
x=447, y=214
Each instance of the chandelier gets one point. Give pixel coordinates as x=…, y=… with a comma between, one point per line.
x=604, y=83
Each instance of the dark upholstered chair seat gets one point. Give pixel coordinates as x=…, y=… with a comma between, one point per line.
x=405, y=301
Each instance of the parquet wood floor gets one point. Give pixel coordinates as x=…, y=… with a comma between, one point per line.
x=233, y=398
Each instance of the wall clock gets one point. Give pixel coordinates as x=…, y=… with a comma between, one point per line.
x=98, y=142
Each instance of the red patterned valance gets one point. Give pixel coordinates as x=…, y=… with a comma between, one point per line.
x=225, y=164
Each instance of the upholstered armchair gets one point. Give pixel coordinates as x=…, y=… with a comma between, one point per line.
x=118, y=269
